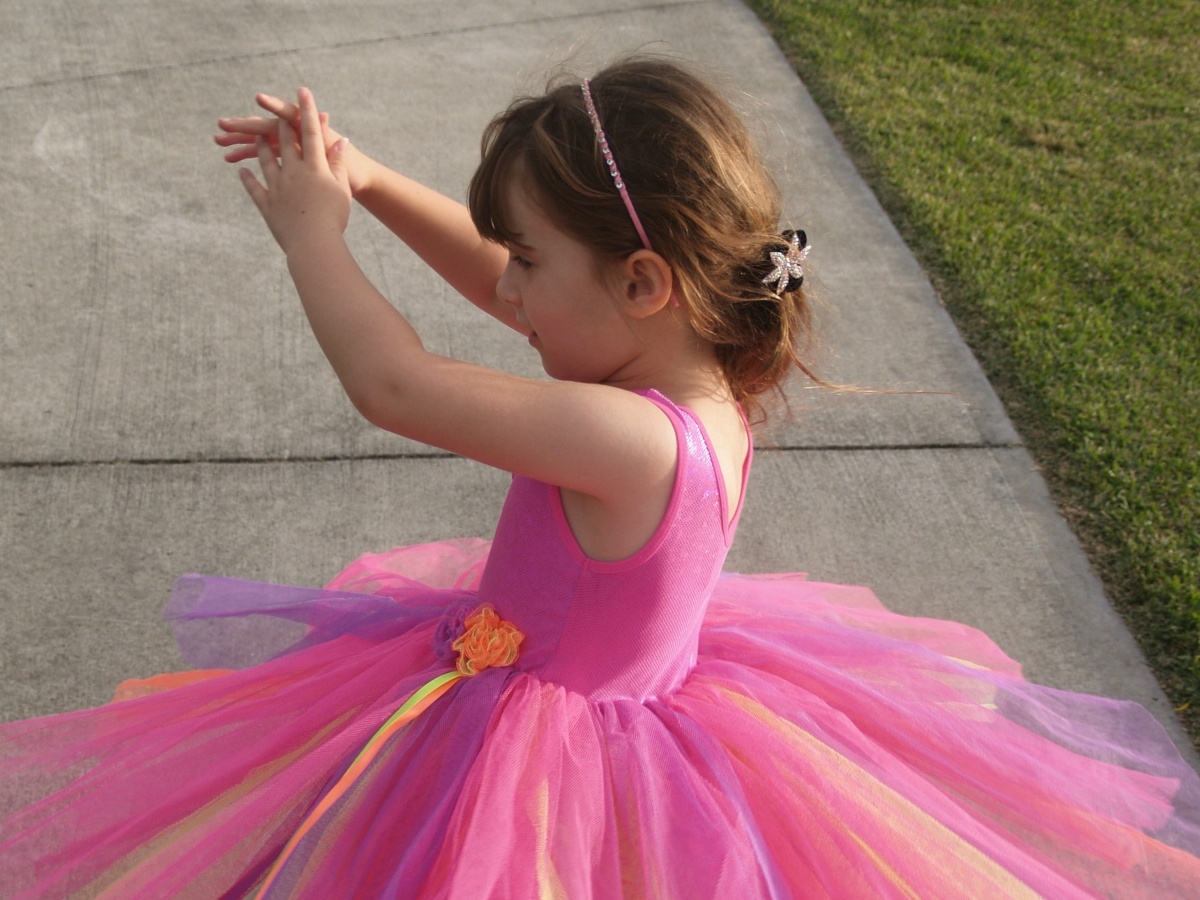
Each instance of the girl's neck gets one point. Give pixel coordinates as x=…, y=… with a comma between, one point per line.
x=690, y=378
x=675, y=362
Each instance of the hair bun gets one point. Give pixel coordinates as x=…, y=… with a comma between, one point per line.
x=785, y=259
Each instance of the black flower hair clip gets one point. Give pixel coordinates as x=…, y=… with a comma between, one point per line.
x=788, y=273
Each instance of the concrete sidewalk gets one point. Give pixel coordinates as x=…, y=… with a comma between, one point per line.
x=165, y=408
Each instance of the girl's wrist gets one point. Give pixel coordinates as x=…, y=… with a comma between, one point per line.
x=313, y=244
x=362, y=169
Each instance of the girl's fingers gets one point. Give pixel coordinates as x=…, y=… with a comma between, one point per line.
x=245, y=146
x=258, y=194
x=233, y=139
x=244, y=130
x=281, y=109
x=287, y=141
x=241, y=130
x=242, y=134
x=267, y=162
x=241, y=154
x=311, y=138
x=246, y=125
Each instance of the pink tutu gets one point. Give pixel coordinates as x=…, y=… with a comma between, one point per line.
x=665, y=731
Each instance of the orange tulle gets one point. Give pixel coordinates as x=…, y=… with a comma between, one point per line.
x=140, y=687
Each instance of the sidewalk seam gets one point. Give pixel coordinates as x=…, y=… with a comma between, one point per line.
x=383, y=457
x=343, y=45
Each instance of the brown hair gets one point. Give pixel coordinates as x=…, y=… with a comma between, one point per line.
x=708, y=204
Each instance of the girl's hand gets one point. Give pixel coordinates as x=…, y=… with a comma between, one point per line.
x=242, y=134
x=305, y=193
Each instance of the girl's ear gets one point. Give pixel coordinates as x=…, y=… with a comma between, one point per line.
x=647, y=283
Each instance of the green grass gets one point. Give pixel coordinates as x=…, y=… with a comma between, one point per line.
x=1043, y=161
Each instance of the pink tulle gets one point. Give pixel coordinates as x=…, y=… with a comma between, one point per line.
x=865, y=763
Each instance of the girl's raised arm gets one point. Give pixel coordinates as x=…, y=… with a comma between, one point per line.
x=601, y=441
x=437, y=228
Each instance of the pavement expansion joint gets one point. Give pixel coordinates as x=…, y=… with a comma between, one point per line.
x=221, y=460
x=442, y=454
x=887, y=448
x=342, y=45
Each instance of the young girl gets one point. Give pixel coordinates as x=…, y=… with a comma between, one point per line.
x=587, y=708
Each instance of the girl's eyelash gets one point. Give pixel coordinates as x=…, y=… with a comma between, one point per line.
x=520, y=261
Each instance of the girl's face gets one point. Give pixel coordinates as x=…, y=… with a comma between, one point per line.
x=572, y=316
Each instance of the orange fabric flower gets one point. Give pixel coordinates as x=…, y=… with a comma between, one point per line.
x=486, y=641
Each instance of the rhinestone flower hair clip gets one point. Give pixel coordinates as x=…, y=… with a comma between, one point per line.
x=612, y=163
x=788, y=263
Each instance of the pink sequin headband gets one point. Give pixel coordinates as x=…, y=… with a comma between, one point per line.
x=612, y=163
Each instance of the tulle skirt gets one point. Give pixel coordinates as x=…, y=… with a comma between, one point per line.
x=821, y=746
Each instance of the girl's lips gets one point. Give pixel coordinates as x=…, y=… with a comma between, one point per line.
x=533, y=339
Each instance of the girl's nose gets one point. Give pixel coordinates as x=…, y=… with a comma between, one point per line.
x=505, y=289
